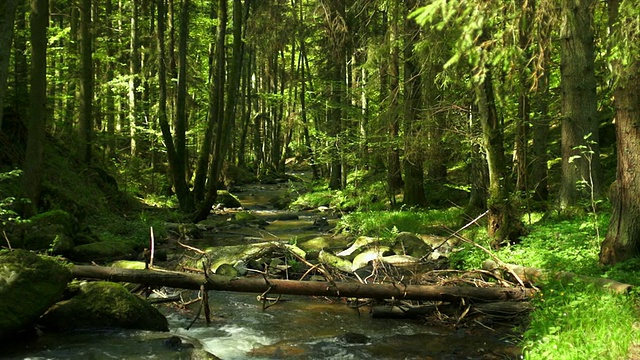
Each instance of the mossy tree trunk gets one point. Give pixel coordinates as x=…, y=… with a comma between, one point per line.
x=504, y=224
x=622, y=241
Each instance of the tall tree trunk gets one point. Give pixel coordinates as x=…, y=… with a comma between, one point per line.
x=538, y=176
x=413, y=157
x=504, y=224
x=219, y=117
x=622, y=241
x=580, y=151
x=110, y=105
x=134, y=81
x=336, y=30
x=216, y=104
x=86, y=83
x=7, y=15
x=180, y=128
x=392, y=113
x=523, y=121
x=38, y=104
x=21, y=68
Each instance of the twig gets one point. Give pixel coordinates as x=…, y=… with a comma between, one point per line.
x=7, y=239
x=153, y=246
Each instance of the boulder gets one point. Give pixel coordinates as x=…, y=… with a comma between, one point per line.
x=228, y=200
x=104, y=251
x=51, y=231
x=29, y=285
x=410, y=244
x=103, y=305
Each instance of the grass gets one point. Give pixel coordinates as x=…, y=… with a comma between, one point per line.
x=570, y=321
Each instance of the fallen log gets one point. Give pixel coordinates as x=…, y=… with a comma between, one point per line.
x=535, y=276
x=312, y=288
x=502, y=309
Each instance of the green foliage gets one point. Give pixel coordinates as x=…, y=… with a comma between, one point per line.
x=578, y=321
x=7, y=214
x=389, y=223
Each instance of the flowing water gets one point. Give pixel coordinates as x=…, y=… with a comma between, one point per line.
x=294, y=328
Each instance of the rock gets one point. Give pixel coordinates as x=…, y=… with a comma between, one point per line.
x=51, y=231
x=29, y=285
x=324, y=242
x=359, y=243
x=409, y=244
x=335, y=261
x=354, y=338
x=103, y=251
x=227, y=270
x=104, y=304
x=361, y=260
x=321, y=222
x=228, y=200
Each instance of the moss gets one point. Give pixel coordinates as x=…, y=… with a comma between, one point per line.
x=228, y=200
x=29, y=285
x=104, y=251
x=104, y=304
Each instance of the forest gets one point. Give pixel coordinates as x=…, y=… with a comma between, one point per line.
x=516, y=121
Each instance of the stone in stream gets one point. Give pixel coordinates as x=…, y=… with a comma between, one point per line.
x=29, y=285
x=103, y=304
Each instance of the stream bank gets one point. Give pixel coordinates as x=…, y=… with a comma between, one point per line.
x=296, y=327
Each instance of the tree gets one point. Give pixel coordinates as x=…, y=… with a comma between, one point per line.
x=623, y=236
x=413, y=158
x=38, y=104
x=86, y=82
x=580, y=151
x=7, y=15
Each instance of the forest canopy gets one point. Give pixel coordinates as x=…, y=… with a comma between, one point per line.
x=521, y=104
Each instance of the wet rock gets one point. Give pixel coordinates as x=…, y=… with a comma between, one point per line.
x=335, y=261
x=29, y=285
x=321, y=222
x=104, y=304
x=354, y=338
x=361, y=260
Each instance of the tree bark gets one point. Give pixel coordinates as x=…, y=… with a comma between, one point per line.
x=580, y=151
x=413, y=154
x=7, y=15
x=311, y=288
x=504, y=225
x=622, y=241
x=86, y=83
x=38, y=104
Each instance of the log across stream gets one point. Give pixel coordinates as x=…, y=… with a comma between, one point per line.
x=316, y=288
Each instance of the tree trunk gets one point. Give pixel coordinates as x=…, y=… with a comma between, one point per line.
x=38, y=104
x=86, y=83
x=538, y=176
x=580, y=151
x=216, y=104
x=7, y=15
x=179, y=172
x=503, y=223
x=134, y=81
x=413, y=157
x=311, y=288
x=622, y=241
x=392, y=112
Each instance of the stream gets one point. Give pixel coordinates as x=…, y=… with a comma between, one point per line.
x=296, y=328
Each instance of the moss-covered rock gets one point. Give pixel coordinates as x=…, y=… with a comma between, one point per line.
x=103, y=251
x=103, y=305
x=228, y=200
x=52, y=231
x=29, y=285
x=410, y=244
